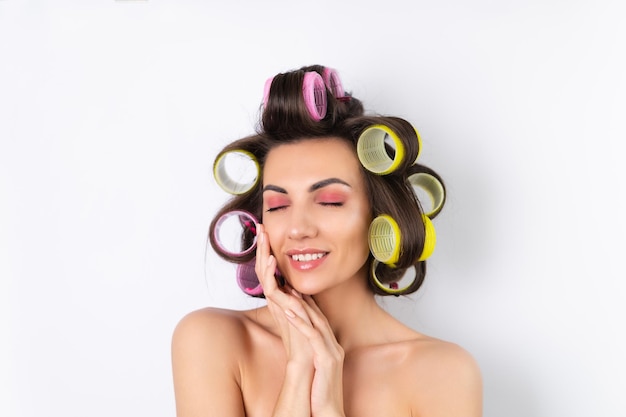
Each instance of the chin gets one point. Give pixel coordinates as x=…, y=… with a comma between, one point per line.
x=307, y=285
x=305, y=288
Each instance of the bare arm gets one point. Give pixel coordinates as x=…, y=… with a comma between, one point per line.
x=204, y=367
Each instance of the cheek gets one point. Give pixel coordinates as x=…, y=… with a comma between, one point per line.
x=354, y=230
x=274, y=235
x=356, y=241
x=361, y=233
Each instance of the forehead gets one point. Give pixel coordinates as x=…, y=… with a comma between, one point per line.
x=310, y=160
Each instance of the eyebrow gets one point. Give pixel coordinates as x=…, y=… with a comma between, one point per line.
x=314, y=187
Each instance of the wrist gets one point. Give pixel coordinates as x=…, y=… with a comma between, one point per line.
x=299, y=368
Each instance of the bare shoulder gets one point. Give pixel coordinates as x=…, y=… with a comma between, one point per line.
x=442, y=356
x=207, y=346
x=210, y=338
x=215, y=328
x=428, y=376
x=446, y=378
x=205, y=324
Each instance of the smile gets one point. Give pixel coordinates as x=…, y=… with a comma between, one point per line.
x=307, y=257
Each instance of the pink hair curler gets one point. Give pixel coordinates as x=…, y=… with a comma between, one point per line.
x=313, y=93
x=229, y=230
x=266, y=90
x=247, y=278
x=333, y=82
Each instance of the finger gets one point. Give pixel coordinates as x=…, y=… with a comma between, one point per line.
x=265, y=263
x=296, y=304
x=318, y=318
x=311, y=303
x=316, y=339
x=320, y=322
x=265, y=269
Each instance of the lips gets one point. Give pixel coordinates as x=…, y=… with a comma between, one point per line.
x=304, y=260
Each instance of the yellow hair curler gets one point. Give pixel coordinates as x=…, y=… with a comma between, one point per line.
x=392, y=288
x=419, y=144
x=232, y=164
x=433, y=188
x=371, y=150
x=430, y=239
x=385, y=237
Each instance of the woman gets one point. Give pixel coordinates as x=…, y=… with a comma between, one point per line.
x=338, y=222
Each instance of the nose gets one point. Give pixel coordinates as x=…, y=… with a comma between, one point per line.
x=301, y=225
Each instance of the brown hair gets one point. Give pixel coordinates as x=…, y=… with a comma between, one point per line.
x=285, y=119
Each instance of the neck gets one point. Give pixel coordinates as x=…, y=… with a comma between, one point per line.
x=352, y=312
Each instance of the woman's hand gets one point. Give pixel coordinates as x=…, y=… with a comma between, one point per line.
x=294, y=399
x=328, y=356
x=281, y=302
x=309, y=341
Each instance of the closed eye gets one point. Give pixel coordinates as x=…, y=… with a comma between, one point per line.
x=271, y=209
x=331, y=197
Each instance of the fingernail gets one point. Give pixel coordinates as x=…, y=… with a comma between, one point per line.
x=290, y=313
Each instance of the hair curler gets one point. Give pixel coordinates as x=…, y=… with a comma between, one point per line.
x=384, y=239
x=230, y=230
x=313, y=94
x=247, y=278
x=419, y=144
x=333, y=82
x=432, y=187
x=372, y=153
x=430, y=239
x=231, y=164
x=392, y=288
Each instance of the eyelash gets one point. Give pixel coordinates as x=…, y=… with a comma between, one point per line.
x=335, y=204
x=271, y=209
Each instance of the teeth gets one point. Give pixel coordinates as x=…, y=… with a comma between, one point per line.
x=305, y=257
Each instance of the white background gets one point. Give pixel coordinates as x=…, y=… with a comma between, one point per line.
x=111, y=113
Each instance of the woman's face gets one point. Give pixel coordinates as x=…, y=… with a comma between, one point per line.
x=316, y=213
